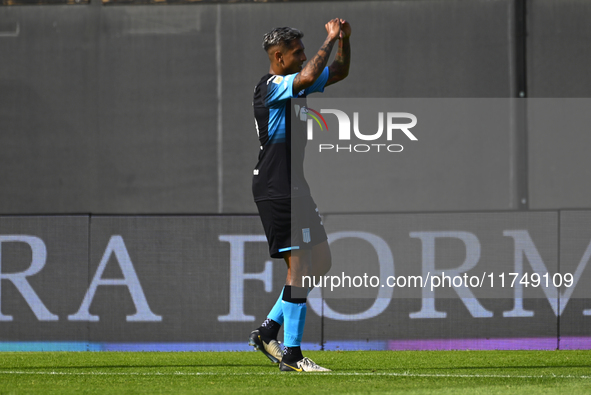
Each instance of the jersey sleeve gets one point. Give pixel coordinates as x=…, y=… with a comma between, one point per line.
x=280, y=87
x=319, y=84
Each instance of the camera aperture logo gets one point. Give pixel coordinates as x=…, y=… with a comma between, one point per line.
x=394, y=123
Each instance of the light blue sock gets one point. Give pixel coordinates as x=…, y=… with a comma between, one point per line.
x=276, y=313
x=295, y=318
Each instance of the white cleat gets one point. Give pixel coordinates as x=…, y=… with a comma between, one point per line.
x=303, y=365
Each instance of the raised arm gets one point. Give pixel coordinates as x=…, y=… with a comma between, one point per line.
x=339, y=69
x=316, y=65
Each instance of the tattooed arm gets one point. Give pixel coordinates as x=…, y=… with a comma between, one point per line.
x=339, y=69
x=316, y=65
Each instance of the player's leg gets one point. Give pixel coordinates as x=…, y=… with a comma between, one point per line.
x=320, y=265
x=264, y=338
x=321, y=260
x=300, y=264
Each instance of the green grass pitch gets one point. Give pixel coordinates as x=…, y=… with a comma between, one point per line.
x=418, y=372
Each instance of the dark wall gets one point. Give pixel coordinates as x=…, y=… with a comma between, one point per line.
x=147, y=109
x=109, y=110
x=558, y=56
x=162, y=282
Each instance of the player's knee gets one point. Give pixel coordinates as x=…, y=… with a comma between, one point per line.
x=327, y=265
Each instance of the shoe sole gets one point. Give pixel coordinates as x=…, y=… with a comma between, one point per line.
x=287, y=368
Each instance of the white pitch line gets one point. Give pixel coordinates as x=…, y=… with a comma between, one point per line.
x=406, y=374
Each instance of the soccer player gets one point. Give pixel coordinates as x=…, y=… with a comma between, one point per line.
x=290, y=218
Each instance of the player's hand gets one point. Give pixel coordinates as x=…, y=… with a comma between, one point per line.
x=333, y=28
x=345, y=29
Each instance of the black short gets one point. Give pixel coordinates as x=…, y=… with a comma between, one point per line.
x=291, y=224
